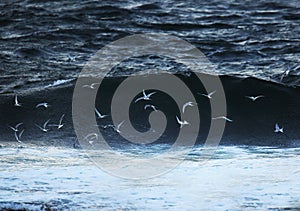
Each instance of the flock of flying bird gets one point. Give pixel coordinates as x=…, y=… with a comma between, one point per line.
x=146, y=97
x=18, y=133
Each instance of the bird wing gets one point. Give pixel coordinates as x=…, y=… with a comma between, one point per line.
x=144, y=93
x=277, y=127
x=14, y=129
x=152, y=93
x=92, y=86
x=140, y=98
x=45, y=124
x=16, y=136
x=61, y=119
x=97, y=112
x=211, y=93
x=120, y=124
x=21, y=133
x=154, y=108
x=146, y=106
x=230, y=120
x=39, y=126
x=205, y=95
x=185, y=105
x=178, y=120
x=38, y=105
x=18, y=125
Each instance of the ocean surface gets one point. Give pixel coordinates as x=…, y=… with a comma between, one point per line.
x=236, y=178
x=253, y=46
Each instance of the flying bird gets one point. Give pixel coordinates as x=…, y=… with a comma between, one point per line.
x=117, y=129
x=60, y=124
x=145, y=96
x=278, y=129
x=18, y=136
x=44, y=104
x=44, y=129
x=91, y=86
x=254, y=98
x=99, y=115
x=187, y=104
x=91, y=138
x=223, y=117
x=209, y=95
x=17, y=103
x=16, y=128
x=150, y=106
x=182, y=123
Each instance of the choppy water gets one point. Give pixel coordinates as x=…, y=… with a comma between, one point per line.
x=236, y=178
x=45, y=41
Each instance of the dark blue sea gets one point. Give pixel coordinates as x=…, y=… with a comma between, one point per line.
x=253, y=50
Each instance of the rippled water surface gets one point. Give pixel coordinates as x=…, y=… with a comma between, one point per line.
x=235, y=178
x=45, y=41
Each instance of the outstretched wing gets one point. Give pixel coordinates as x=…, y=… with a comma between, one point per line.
x=140, y=98
x=61, y=119
x=97, y=112
x=152, y=93
x=120, y=124
x=21, y=133
x=260, y=96
x=39, y=127
x=211, y=93
x=277, y=127
x=45, y=124
x=178, y=120
x=18, y=125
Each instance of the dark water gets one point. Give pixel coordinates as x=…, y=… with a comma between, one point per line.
x=256, y=38
x=253, y=45
x=45, y=44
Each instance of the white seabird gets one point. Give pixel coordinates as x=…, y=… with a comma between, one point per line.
x=150, y=106
x=145, y=96
x=18, y=136
x=278, y=129
x=17, y=103
x=99, y=115
x=182, y=123
x=91, y=86
x=254, y=98
x=222, y=117
x=187, y=104
x=44, y=129
x=44, y=104
x=209, y=95
x=60, y=124
x=16, y=128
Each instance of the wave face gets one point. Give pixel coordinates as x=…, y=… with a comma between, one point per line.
x=45, y=41
x=253, y=122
